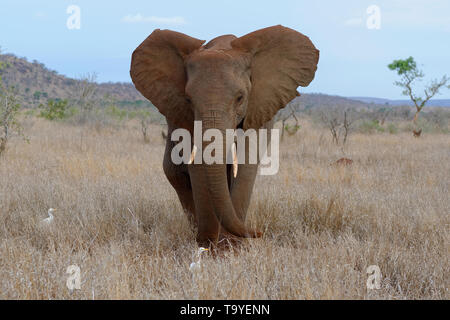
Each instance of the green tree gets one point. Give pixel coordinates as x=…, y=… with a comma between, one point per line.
x=36, y=95
x=409, y=72
x=9, y=110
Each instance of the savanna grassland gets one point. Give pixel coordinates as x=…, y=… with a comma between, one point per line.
x=120, y=221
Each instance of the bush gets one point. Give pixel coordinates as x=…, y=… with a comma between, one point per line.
x=392, y=128
x=371, y=126
x=114, y=112
x=55, y=109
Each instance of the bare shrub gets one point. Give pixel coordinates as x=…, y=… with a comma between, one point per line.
x=284, y=116
x=85, y=95
x=339, y=123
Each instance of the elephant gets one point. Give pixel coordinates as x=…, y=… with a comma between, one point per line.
x=227, y=83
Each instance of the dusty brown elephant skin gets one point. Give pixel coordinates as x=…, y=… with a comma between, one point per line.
x=228, y=83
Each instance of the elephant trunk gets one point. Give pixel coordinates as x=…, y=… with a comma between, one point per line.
x=217, y=184
x=216, y=178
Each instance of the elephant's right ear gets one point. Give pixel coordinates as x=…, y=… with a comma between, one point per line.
x=158, y=72
x=281, y=60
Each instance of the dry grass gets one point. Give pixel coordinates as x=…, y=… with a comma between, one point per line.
x=119, y=220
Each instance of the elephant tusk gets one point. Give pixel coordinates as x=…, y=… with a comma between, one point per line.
x=235, y=161
x=194, y=152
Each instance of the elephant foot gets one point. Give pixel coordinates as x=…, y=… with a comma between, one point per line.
x=255, y=234
x=225, y=241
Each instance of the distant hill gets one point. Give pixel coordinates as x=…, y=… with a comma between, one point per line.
x=36, y=83
x=313, y=100
x=381, y=101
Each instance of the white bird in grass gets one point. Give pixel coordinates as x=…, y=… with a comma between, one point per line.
x=50, y=217
x=195, y=266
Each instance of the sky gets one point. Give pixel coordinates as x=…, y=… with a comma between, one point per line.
x=357, y=39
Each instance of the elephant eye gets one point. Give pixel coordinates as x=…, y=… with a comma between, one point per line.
x=188, y=100
x=239, y=98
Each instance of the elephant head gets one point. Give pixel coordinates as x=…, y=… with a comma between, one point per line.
x=228, y=83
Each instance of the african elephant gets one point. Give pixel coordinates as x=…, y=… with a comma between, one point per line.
x=227, y=83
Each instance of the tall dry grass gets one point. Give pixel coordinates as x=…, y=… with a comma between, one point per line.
x=119, y=220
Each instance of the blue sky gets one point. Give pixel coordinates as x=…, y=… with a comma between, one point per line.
x=353, y=58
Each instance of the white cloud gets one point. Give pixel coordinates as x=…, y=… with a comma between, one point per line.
x=139, y=18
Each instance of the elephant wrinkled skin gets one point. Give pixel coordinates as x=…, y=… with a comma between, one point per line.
x=227, y=83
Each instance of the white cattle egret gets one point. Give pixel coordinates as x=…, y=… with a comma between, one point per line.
x=195, y=266
x=50, y=217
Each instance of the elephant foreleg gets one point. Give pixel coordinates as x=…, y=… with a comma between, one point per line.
x=178, y=177
x=242, y=186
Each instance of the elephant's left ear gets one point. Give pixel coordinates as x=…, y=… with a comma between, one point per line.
x=281, y=60
x=158, y=72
